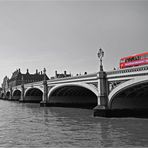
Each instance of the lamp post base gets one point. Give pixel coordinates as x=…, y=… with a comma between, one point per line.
x=100, y=111
x=43, y=104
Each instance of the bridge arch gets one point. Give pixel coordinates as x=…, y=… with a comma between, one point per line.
x=2, y=95
x=33, y=94
x=16, y=94
x=130, y=94
x=7, y=95
x=73, y=94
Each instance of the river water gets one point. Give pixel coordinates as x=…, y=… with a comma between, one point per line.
x=29, y=125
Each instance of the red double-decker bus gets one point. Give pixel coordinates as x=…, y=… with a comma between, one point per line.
x=134, y=60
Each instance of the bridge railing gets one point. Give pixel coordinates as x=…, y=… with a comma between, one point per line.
x=29, y=84
x=79, y=77
x=128, y=70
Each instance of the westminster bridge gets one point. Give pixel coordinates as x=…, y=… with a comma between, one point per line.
x=107, y=90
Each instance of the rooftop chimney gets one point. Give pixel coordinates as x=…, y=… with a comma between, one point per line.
x=36, y=71
x=65, y=72
x=27, y=71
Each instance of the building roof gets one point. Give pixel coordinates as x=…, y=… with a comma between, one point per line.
x=17, y=75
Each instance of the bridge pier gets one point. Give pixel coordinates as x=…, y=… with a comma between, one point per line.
x=102, y=108
x=22, y=92
x=10, y=97
x=4, y=96
x=44, y=101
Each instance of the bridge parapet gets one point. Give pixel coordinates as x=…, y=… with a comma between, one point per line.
x=127, y=73
x=74, y=77
x=128, y=70
x=92, y=76
x=40, y=83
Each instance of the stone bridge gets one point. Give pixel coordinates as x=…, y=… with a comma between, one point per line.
x=108, y=90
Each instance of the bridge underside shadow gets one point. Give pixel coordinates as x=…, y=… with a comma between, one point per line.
x=132, y=102
x=73, y=96
x=16, y=95
x=7, y=95
x=132, y=98
x=2, y=96
x=33, y=95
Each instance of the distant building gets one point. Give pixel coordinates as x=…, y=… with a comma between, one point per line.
x=18, y=77
x=5, y=83
x=61, y=75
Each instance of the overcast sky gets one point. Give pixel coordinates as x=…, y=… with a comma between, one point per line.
x=66, y=35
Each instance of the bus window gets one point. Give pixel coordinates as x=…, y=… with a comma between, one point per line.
x=122, y=60
x=129, y=59
x=133, y=58
x=146, y=56
x=137, y=57
x=142, y=57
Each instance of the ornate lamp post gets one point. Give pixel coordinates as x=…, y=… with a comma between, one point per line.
x=102, y=106
x=44, y=72
x=100, y=56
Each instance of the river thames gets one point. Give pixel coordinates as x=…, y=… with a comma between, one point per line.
x=29, y=125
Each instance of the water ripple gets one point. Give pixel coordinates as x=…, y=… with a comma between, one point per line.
x=29, y=125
